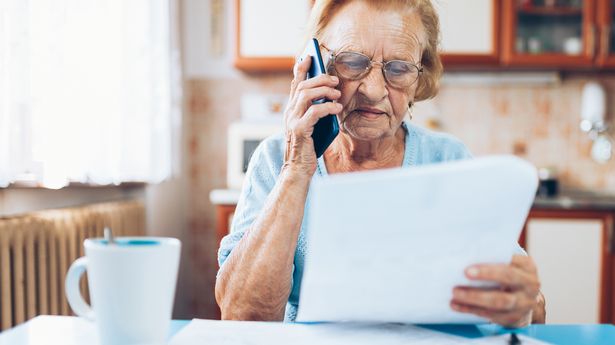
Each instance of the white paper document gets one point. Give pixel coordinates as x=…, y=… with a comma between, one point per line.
x=390, y=245
x=273, y=333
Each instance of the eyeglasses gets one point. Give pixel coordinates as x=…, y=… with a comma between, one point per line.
x=354, y=66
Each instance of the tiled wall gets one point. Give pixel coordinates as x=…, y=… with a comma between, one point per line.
x=537, y=122
x=213, y=104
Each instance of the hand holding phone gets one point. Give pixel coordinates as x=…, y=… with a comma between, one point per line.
x=327, y=128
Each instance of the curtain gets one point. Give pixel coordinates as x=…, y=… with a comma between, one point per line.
x=90, y=91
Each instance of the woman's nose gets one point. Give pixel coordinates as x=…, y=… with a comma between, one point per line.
x=373, y=85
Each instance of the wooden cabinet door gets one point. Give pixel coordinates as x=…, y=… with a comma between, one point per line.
x=469, y=42
x=549, y=33
x=606, y=33
x=572, y=253
x=269, y=33
x=224, y=219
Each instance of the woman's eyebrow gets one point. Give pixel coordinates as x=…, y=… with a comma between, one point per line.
x=399, y=52
x=352, y=48
x=405, y=56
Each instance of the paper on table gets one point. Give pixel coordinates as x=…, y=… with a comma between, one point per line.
x=391, y=245
x=272, y=333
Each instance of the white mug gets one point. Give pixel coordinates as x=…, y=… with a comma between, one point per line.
x=132, y=286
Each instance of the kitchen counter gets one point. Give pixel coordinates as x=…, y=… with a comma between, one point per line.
x=224, y=196
x=577, y=200
x=567, y=200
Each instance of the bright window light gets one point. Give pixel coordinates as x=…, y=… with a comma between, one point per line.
x=89, y=91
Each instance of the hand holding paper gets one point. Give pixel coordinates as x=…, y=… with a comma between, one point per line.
x=511, y=305
x=391, y=245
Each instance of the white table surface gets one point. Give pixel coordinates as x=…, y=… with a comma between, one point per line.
x=60, y=330
x=70, y=330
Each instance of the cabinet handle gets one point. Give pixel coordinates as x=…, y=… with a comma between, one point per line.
x=592, y=40
x=610, y=232
x=605, y=40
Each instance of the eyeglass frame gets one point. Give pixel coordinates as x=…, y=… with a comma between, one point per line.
x=333, y=55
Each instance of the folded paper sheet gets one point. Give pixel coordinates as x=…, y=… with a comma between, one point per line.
x=390, y=245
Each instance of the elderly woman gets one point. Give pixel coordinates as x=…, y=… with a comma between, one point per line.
x=383, y=58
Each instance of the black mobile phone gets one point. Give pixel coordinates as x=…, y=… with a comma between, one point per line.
x=327, y=128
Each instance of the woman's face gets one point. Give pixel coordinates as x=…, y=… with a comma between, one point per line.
x=372, y=108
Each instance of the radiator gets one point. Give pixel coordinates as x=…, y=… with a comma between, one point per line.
x=36, y=250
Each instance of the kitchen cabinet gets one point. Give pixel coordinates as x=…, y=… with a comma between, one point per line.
x=549, y=33
x=469, y=42
x=269, y=33
x=268, y=42
x=606, y=33
x=573, y=251
x=492, y=34
x=224, y=219
x=559, y=34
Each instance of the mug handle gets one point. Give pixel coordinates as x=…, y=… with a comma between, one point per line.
x=73, y=294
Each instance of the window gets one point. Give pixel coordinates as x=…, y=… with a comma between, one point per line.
x=89, y=91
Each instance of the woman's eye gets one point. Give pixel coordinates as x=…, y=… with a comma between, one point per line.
x=398, y=69
x=354, y=64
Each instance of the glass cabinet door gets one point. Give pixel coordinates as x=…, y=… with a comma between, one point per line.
x=611, y=27
x=606, y=27
x=550, y=32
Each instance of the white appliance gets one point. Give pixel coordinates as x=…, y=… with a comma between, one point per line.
x=243, y=139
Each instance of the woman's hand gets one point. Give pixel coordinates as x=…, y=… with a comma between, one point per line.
x=301, y=115
x=513, y=304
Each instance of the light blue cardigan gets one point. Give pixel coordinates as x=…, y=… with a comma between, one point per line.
x=422, y=147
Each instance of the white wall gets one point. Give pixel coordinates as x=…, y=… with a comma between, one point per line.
x=199, y=60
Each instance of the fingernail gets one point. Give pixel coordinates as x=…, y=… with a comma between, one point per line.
x=335, y=79
x=472, y=271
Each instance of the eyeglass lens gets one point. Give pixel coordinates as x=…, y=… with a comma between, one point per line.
x=355, y=66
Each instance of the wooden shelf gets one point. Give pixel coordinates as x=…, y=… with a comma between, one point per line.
x=551, y=11
x=265, y=64
x=551, y=60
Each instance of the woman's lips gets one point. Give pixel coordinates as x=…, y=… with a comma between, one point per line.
x=370, y=113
